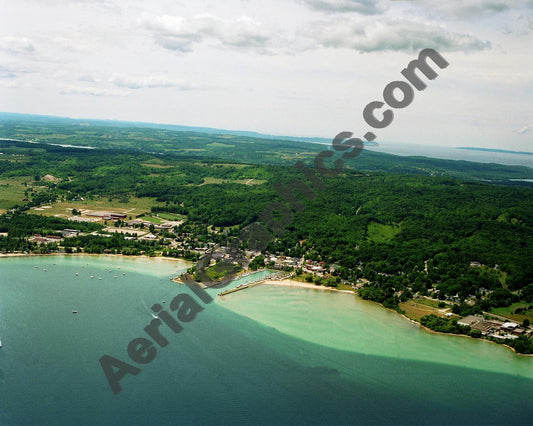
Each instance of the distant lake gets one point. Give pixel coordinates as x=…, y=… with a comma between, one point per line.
x=451, y=153
x=264, y=355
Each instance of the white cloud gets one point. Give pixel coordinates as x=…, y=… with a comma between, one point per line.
x=16, y=45
x=12, y=71
x=391, y=35
x=148, y=82
x=180, y=34
x=88, y=79
x=467, y=9
x=6, y=72
x=364, y=7
x=278, y=66
x=91, y=91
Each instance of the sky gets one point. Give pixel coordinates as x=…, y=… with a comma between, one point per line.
x=281, y=67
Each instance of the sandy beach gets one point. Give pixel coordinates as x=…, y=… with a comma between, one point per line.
x=292, y=283
x=126, y=256
x=14, y=254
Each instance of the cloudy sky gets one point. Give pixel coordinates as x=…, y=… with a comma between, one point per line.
x=285, y=67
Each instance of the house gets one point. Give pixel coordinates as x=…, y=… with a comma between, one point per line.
x=162, y=226
x=38, y=238
x=487, y=327
x=69, y=232
x=148, y=237
x=509, y=325
x=469, y=320
x=106, y=215
x=116, y=216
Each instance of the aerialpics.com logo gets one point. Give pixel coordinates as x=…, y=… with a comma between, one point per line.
x=259, y=234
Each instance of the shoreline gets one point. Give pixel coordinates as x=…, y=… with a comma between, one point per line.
x=292, y=283
x=286, y=282
x=449, y=334
x=141, y=256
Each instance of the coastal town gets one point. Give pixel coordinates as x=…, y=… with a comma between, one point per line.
x=156, y=236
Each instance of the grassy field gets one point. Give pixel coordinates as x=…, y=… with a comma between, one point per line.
x=158, y=166
x=382, y=233
x=508, y=312
x=211, y=180
x=430, y=302
x=12, y=191
x=170, y=216
x=133, y=207
x=220, y=145
x=236, y=166
x=153, y=219
x=416, y=310
x=250, y=181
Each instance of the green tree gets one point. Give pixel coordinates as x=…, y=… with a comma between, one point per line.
x=257, y=262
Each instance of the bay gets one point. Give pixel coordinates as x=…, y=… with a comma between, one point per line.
x=264, y=355
x=454, y=153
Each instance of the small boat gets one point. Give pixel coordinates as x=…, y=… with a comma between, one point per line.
x=92, y=276
x=99, y=278
x=76, y=274
x=44, y=269
x=154, y=316
x=74, y=312
x=0, y=343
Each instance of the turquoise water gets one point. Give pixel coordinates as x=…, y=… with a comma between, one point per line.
x=264, y=355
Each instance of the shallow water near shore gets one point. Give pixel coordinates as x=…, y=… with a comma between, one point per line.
x=344, y=322
x=264, y=355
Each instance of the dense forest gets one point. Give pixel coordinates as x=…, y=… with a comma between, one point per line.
x=391, y=224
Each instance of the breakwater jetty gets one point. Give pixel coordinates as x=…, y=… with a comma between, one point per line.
x=278, y=276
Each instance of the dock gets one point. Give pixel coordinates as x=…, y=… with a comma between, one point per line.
x=240, y=287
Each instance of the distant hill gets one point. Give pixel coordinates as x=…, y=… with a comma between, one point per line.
x=235, y=146
x=117, y=123
x=471, y=148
